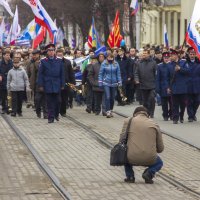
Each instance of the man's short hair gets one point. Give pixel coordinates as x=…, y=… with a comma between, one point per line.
x=6, y=52
x=140, y=109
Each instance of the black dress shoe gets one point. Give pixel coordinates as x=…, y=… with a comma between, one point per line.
x=57, y=119
x=88, y=110
x=165, y=118
x=148, y=177
x=39, y=115
x=97, y=113
x=129, y=180
x=175, y=122
x=181, y=120
x=50, y=121
x=20, y=114
x=13, y=114
x=63, y=115
x=190, y=120
x=195, y=118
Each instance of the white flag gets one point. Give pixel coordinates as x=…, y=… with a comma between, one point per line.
x=15, y=28
x=2, y=30
x=5, y=4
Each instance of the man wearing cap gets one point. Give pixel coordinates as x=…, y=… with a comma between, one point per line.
x=179, y=73
x=193, y=85
x=51, y=81
x=93, y=75
x=163, y=85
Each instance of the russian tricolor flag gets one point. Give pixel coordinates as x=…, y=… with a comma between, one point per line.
x=193, y=33
x=42, y=17
x=166, y=41
x=135, y=6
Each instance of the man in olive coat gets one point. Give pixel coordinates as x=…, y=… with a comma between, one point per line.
x=144, y=143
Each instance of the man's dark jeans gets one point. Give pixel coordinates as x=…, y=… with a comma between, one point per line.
x=152, y=168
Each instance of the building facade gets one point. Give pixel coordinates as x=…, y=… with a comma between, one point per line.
x=153, y=16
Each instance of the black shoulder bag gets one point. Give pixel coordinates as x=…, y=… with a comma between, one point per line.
x=118, y=154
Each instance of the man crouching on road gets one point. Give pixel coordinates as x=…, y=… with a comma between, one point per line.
x=144, y=142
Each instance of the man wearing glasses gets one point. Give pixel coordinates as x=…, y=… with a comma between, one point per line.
x=51, y=81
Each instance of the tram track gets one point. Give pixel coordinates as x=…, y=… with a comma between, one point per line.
x=45, y=168
x=110, y=145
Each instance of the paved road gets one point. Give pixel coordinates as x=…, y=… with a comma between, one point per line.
x=188, y=132
x=82, y=163
x=20, y=176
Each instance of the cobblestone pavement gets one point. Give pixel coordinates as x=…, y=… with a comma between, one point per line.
x=20, y=177
x=82, y=163
x=180, y=160
x=188, y=132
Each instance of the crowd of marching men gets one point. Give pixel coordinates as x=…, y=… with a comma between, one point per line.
x=46, y=79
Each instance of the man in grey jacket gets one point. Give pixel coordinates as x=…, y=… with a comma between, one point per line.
x=17, y=83
x=145, y=75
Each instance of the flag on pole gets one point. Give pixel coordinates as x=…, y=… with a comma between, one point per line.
x=14, y=30
x=135, y=6
x=193, y=32
x=93, y=40
x=5, y=4
x=42, y=17
x=2, y=31
x=39, y=38
x=115, y=37
x=166, y=41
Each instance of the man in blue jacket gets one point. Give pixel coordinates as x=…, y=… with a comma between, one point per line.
x=51, y=81
x=5, y=66
x=179, y=73
x=163, y=85
x=193, y=85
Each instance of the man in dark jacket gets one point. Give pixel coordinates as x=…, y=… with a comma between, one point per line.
x=93, y=79
x=51, y=80
x=145, y=75
x=39, y=97
x=124, y=64
x=5, y=66
x=163, y=85
x=69, y=78
x=179, y=73
x=193, y=85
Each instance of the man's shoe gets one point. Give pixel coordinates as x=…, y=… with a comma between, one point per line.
x=108, y=114
x=181, y=120
x=190, y=120
x=88, y=110
x=20, y=114
x=13, y=114
x=39, y=115
x=129, y=180
x=57, y=119
x=195, y=118
x=175, y=122
x=50, y=121
x=104, y=114
x=147, y=176
x=165, y=118
x=97, y=113
x=63, y=115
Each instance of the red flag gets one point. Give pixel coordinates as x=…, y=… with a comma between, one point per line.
x=115, y=37
x=39, y=38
